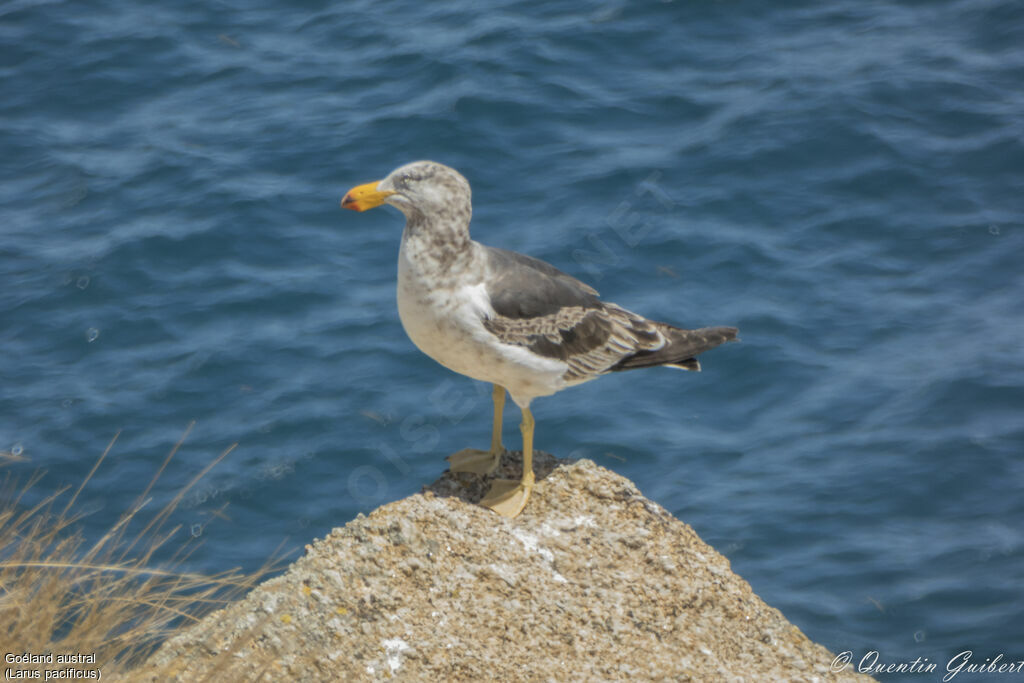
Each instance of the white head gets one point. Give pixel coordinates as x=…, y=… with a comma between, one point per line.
x=421, y=189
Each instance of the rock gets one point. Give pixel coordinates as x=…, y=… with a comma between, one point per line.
x=591, y=582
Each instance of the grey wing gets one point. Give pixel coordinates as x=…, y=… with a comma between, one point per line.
x=521, y=286
x=556, y=316
x=590, y=341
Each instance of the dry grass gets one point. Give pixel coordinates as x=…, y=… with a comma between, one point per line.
x=59, y=595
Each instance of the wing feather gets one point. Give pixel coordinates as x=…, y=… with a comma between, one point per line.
x=521, y=286
x=555, y=315
x=590, y=341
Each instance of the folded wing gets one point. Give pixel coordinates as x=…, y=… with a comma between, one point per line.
x=556, y=316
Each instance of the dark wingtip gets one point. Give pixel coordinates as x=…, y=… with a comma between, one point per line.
x=729, y=333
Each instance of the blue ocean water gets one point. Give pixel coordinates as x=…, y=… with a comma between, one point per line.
x=841, y=182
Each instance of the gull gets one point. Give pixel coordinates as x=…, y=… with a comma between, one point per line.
x=506, y=318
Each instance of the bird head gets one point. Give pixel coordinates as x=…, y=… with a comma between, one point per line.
x=425, y=187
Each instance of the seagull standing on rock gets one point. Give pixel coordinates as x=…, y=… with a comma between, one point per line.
x=509, y=319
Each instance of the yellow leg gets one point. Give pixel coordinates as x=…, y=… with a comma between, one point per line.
x=498, y=396
x=508, y=497
x=483, y=462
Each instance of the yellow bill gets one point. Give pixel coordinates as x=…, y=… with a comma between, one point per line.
x=363, y=197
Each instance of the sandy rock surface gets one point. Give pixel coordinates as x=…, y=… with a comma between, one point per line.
x=593, y=582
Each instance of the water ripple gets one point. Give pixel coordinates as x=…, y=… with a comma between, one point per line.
x=842, y=182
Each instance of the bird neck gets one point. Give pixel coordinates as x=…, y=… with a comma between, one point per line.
x=435, y=247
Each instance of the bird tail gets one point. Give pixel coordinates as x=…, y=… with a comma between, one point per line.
x=681, y=349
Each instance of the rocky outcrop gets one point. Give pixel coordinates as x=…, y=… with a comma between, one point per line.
x=592, y=582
